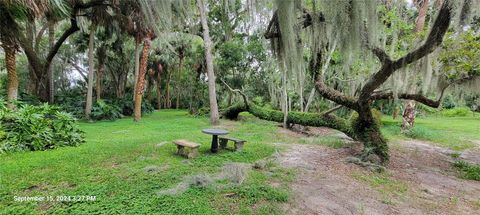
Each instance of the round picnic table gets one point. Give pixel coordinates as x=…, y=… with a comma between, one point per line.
x=215, y=133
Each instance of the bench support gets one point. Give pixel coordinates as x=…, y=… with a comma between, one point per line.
x=223, y=143
x=187, y=148
x=238, y=144
x=187, y=151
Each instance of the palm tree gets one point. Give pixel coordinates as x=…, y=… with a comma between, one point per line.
x=15, y=11
x=147, y=42
x=9, y=45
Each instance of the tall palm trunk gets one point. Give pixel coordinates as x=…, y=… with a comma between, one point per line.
x=137, y=114
x=208, y=55
x=88, y=106
x=137, y=66
x=12, y=85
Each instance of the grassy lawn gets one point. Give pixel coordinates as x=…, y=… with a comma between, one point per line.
x=110, y=166
x=457, y=133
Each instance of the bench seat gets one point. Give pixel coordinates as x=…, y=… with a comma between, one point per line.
x=187, y=148
x=238, y=143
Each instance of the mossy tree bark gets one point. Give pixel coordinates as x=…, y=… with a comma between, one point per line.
x=364, y=127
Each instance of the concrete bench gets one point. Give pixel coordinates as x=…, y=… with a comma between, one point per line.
x=238, y=143
x=187, y=148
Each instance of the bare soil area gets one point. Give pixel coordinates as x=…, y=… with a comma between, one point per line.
x=419, y=180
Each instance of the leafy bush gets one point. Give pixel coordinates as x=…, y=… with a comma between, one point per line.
x=462, y=111
x=449, y=102
x=31, y=128
x=104, y=111
x=126, y=106
x=469, y=171
x=72, y=101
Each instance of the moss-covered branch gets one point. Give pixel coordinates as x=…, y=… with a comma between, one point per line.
x=300, y=118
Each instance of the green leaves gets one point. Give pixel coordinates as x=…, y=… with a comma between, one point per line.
x=461, y=55
x=32, y=128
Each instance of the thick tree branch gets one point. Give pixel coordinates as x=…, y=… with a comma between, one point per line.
x=334, y=95
x=434, y=39
x=53, y=51
x=382, y=55
x=416, y=97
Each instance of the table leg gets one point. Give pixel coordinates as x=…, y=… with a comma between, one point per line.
x=214, y=147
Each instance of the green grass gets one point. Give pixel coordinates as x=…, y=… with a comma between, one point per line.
x=110, y=166
x=457, y=133
x=467, y=170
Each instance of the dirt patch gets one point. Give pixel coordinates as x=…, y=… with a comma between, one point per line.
x=419, y=180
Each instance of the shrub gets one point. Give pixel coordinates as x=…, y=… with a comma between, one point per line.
x=32, y=128
x=449, y=102
x=126, y=106
x=72, y=101
x=454, y=112
x=104, y=111
x=468, y=171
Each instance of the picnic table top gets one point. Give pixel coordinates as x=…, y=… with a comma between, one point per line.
x=214, y=131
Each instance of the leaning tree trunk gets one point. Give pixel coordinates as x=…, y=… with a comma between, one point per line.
x=89, y=100
x=212, y=94
x=12, y=84
x=137, y=114
x=51, y=75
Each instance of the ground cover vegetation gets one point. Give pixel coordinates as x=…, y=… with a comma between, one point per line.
x=87, y=82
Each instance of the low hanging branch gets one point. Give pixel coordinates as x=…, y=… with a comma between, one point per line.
x=389, y=66
x=325, y=119
x=434, y=39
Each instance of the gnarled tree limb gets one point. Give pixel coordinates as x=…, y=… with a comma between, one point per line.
x=335, y=95
x=434, y=39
